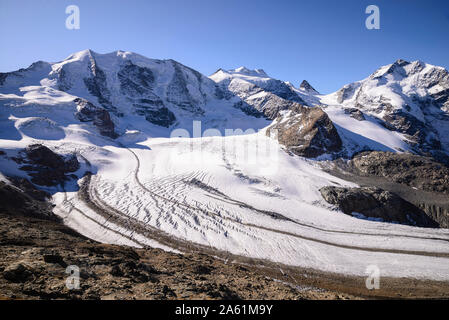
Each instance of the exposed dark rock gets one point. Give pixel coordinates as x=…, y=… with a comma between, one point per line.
x=28, y=188
x=161, y=117
x=138, y=272
x=99, y=116
x=397, y=66
x=440, y=156
x=378, y=204
x=270, y=104
x=135, y=80
x=248, y=109
x=97, y=86
x=41, y=155
x=202, y=269
x=46, y=167
x=25, y=201
x=305, y=85
x=442, y=97
x=3, y=77
x=355, y=113
x=346, y=92
x=423, y=136
x=17, y=272
x=167, y=291
x=282, y=90
x=412, y=170
x=64, y=83
x=306, y=132
x=178, y=93
x=55, y=258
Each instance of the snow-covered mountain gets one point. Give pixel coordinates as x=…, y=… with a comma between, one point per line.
x=126, y=88
x=133, y=184
x=400, y=107
x=410, y=98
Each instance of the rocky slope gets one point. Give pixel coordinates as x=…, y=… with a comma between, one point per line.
x=377, y=204
x=36, y=249
x=415, y=171
x=416, y=179
x=306, y=132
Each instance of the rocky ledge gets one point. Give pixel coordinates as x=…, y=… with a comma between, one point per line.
x=418, y=180
x=376, y=204
x=306, y=132
x=45, y=167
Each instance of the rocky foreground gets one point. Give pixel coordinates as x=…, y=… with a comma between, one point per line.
x=36, y=249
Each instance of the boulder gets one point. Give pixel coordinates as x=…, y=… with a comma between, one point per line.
x=377, y=204
x=412, y=170
x=355, y=113
x=306, y=132
x=17, y=272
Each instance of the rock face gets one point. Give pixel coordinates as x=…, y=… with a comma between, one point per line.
x=306, y=86
x=161, y=91
x=21, y=198
x=355, y=113
x=100, y=117
x=17, y=272
x=412, y=170
x=306, y=132
x=46, y=167
x=376, y=204
x=270, y=105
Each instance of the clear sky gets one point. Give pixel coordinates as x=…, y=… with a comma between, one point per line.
x=325, y=42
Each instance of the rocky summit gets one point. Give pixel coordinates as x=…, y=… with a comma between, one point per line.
x=306, y=132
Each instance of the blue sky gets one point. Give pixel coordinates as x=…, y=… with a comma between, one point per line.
x=325, y=42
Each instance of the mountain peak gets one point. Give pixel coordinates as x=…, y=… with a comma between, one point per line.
x=401, y=62
x=249, y=72
x=80, y=55
x=307, y=87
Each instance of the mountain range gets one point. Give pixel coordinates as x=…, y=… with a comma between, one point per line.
x=338, y=181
